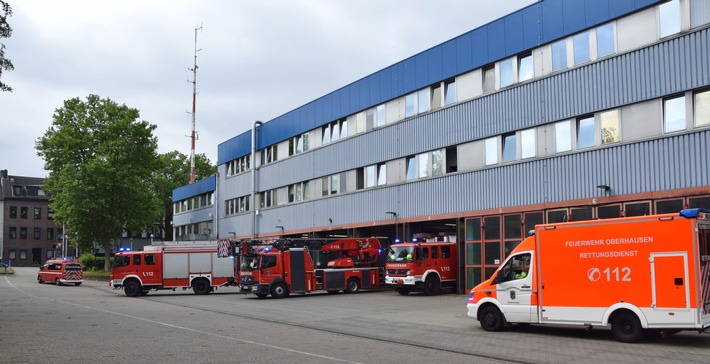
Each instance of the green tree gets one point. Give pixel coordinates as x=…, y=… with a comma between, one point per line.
x=100, y=160
x=5, y=32
x=173, y=171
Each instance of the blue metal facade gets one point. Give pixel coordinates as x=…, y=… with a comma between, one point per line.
x=537, y=24
x=205, y=185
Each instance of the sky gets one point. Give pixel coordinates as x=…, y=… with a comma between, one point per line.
x=257, y=59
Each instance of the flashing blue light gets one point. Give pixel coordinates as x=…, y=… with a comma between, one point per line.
x=693, y=213
x=267, y=249
x=396, y=241
x=128, y=249
x=121, y=249
x=414, y=240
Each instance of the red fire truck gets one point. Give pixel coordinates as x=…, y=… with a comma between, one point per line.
x=285, y=266
x=426, y=266
x=171, y=267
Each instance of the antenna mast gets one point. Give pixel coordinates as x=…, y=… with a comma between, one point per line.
x=194, y=97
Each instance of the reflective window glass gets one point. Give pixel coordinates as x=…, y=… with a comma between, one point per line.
x=411, y=168
x=581, y=48
x=674, y=114
x=409, y=105
x=450, y=92
x=491, y=151
x=489, y=79
x=605, y=40
x=610, y=126
x=669, y=17
x=559, y=55
x=525, y=67
x=585, y=132
x=509, y=147
x=702, y=108
x=527, y=143
x=381, y=115
x=422, y=101
x=423, y=165
x=506, y=72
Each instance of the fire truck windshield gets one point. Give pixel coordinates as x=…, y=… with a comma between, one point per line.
x=249, y=262
x=400, y=253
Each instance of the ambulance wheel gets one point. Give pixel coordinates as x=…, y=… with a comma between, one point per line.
x=132, y=288
x=491, y=319
x=626, y=327
x=40, y=280
x=431, y=285
x=57, y=282
x=279, y=290
x=201, y=286
x=403, y=290
x=353, y=286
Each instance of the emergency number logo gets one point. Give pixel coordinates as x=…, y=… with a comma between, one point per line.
x=594, y=274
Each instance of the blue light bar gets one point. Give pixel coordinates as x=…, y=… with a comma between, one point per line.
x=693, y=213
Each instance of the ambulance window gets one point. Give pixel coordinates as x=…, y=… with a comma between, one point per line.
x=445, y=251
x=149, y=259
x=435, y=252
x=136, y=259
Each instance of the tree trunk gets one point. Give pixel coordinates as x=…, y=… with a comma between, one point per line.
x=107, y=256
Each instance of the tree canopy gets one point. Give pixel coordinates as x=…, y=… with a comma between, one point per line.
x=100, y=160
x=5, y=32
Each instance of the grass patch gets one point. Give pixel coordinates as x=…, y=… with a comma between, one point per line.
x=96, y=275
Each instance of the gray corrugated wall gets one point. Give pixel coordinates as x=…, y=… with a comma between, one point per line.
x=663, y=69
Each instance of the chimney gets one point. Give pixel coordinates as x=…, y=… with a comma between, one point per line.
x=3, y=174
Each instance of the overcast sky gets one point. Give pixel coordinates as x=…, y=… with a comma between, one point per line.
x=258, y=59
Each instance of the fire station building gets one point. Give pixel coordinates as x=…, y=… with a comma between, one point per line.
x=565, y=110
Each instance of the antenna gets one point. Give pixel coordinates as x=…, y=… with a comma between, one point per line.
x=194, y=97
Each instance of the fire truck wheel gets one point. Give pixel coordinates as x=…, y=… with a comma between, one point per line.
x=132, y=288
x=491, y=319
x=626, y=327
x=279, y=290
x=353, y=286
x=57, y=282
x=201, y=286
x=261, y=295
x=431, y=285
x=403, y=290
x=40, y=280
x=77, y=284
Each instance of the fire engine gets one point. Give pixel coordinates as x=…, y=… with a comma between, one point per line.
x=426, y=266
x=61, y=271
x=285, y=266
x=642, y=275
x=171, y=267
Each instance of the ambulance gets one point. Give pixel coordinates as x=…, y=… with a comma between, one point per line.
x=60, y=272
x=642, y=275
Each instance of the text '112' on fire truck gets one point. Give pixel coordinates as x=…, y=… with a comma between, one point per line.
x=643, y=275
x=284, y=266
x=171, y=267
x=426, y=266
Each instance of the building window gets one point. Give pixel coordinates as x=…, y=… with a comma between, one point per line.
x=298, y=144
x=269, y=154
x=423, y=101
x=381, y=174
x=370, y=176
x=610, y=126
x=435, y=97
x=23, y=233
x=11, y=254
x=409, y=105
x=449, y=92
x=50, y=233
x=326, y=134
x=437, y=163
x=334, y=131
x=525, y=67
x=674, y=114
x=37, y=213
x=411, y=168
x=702, y=108
x=423, y=160
x=370, y=116
x=331, y=185
x=506, y=72
x=563, y=136
x=13, y=212
x=381, y=119
x=527, y=143
x=37, y=233
x=580, y=43
x=50, y=214
x=16, y=190
x=509, y=147
x=12, y=233
x=298, y=192
x=491, y=151
x=243, y=203
x=669, y=18
x=238, y=165
x=23, y=212
x=605, y=40
x=585, y=132
x=559, y=55
x=489, y=78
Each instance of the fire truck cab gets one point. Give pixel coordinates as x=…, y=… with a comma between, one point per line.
x=426, y=266
x=61, y=271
